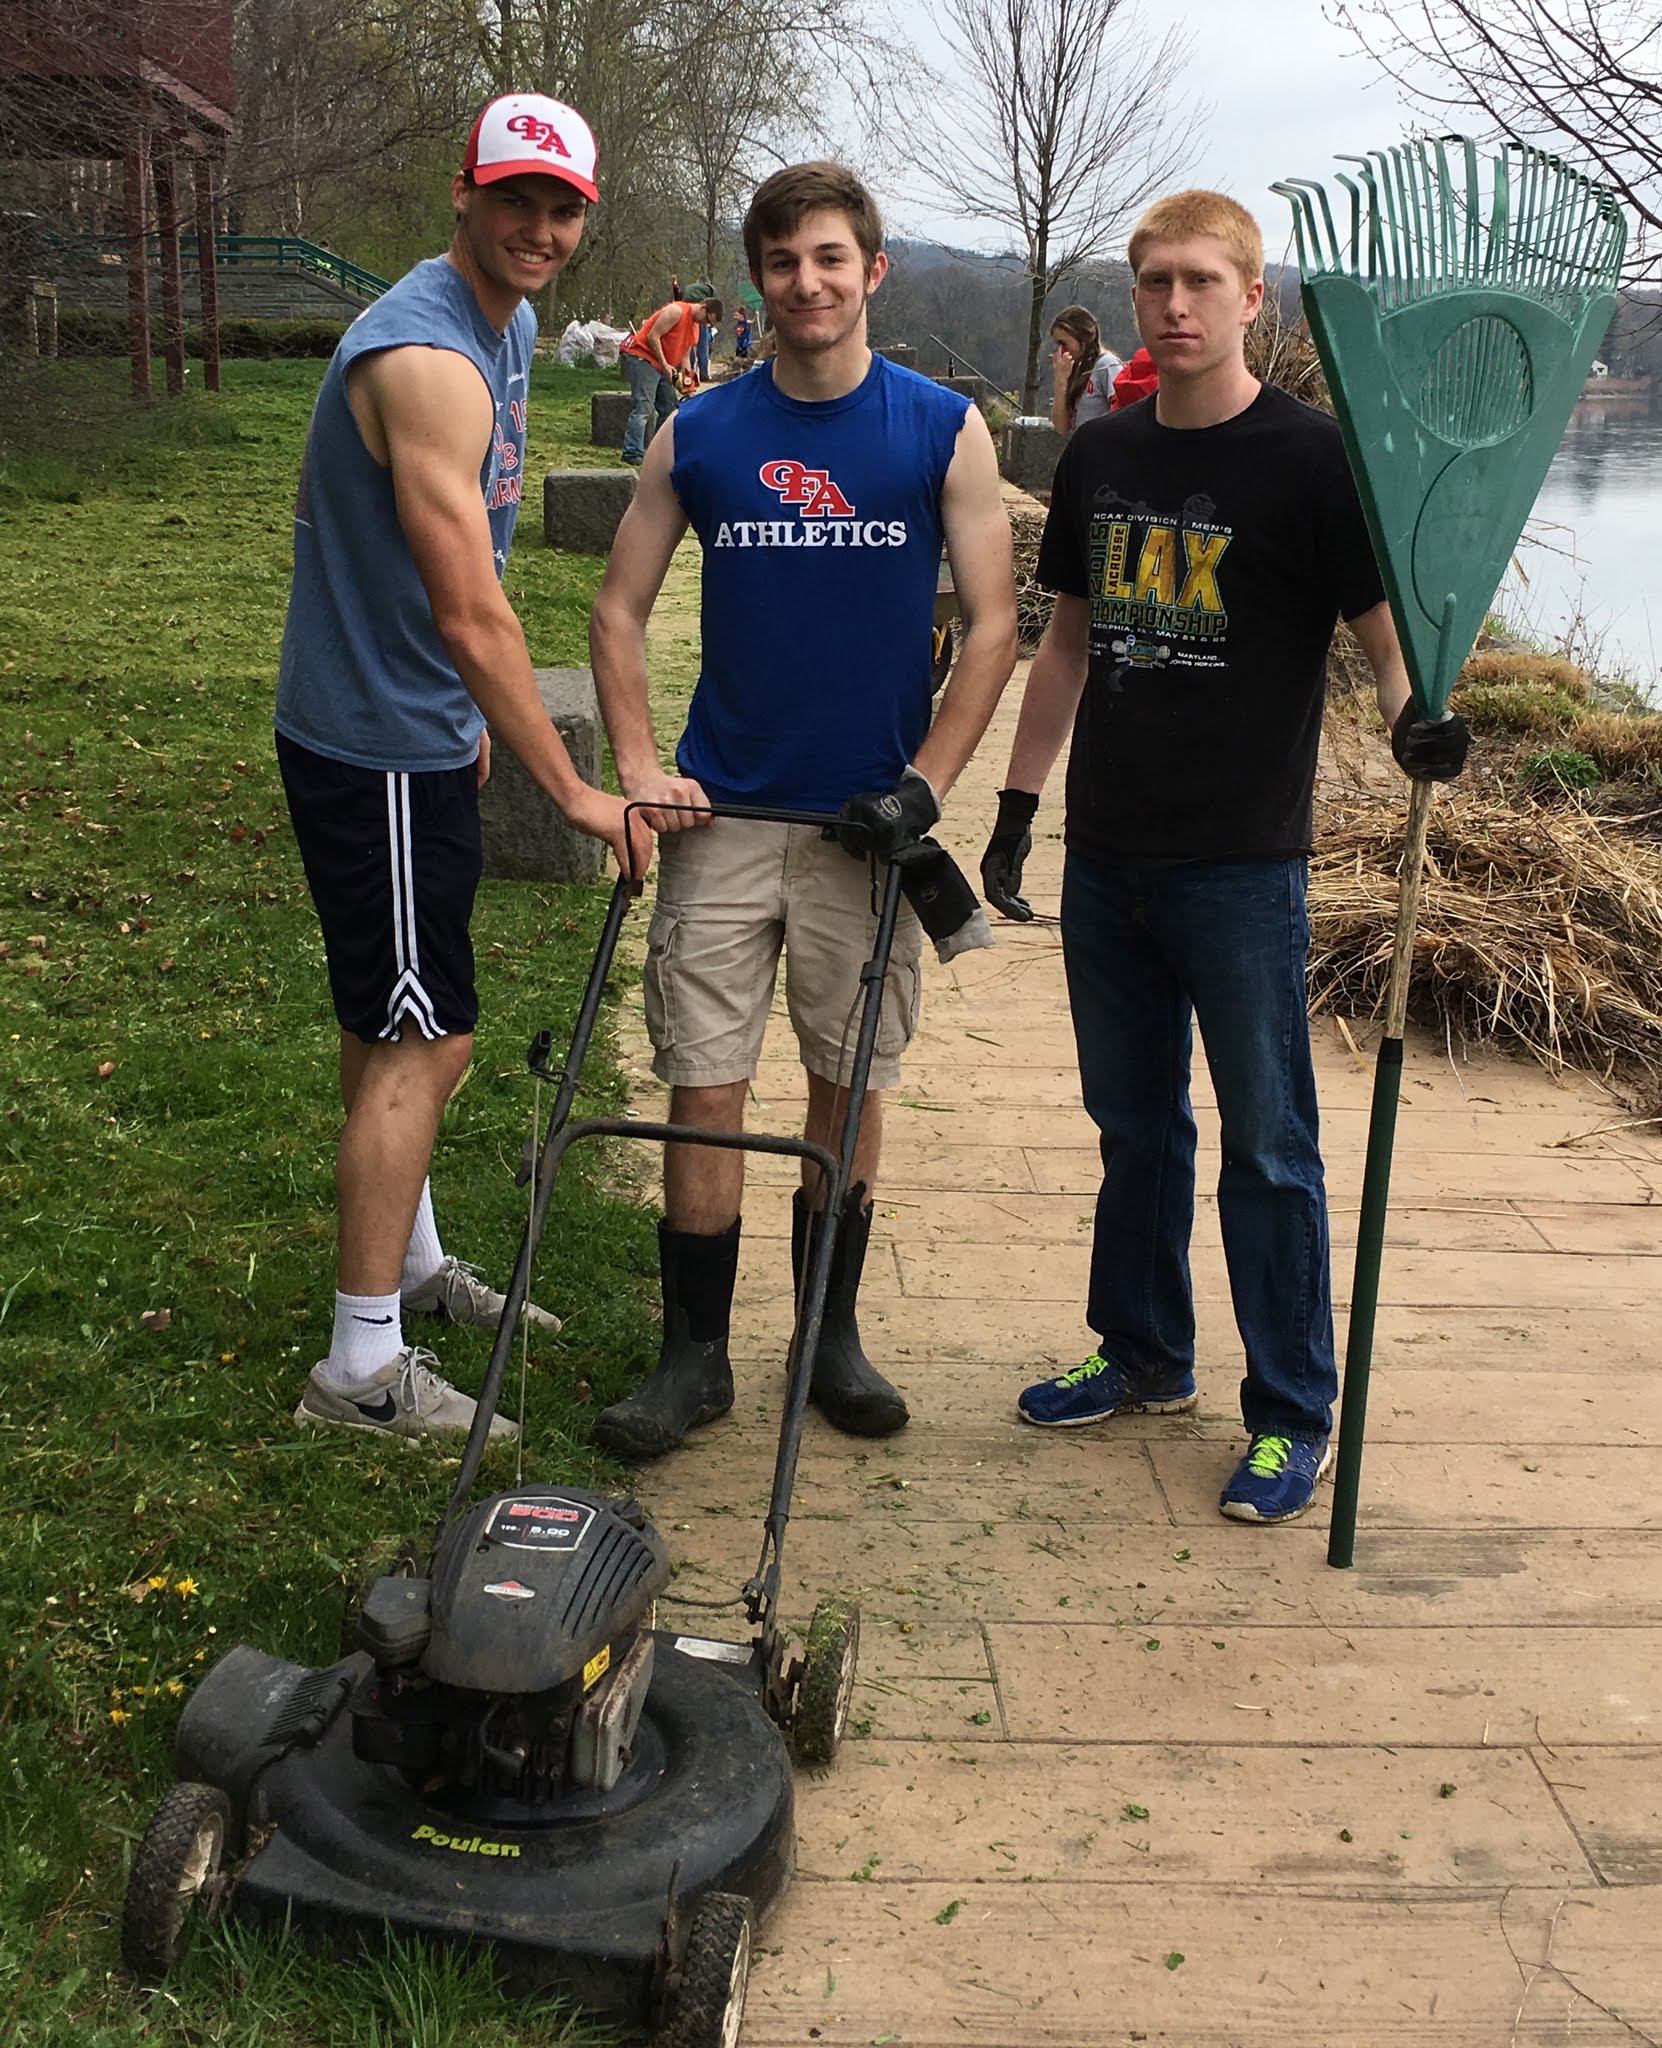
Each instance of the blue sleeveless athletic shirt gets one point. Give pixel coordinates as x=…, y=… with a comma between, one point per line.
x=364, y=676
x=821, y=529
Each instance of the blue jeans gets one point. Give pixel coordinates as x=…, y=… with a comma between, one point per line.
x=1148, y=950
x=703, y=355
x=653, y=394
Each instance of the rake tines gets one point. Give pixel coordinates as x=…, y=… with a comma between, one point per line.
x=1455, y=305
x=1422, y=224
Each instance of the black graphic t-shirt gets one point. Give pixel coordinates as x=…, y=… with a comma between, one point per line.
x=1216, y=561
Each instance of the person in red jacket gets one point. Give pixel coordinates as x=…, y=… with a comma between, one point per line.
x=1138, y=379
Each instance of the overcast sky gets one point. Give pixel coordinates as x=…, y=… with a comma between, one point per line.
x=1287, y=90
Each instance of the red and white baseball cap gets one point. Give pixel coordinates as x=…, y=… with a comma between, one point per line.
x=528, y=134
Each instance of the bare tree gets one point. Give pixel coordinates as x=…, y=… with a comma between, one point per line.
x=753, y=86
x=732, y=86
x=333, y=93
x=1060, y=124
x=1580, y=77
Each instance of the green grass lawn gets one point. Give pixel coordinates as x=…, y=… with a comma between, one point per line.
x=167, y=1123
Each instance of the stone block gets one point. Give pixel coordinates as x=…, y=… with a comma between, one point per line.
x=525, y=837
x=901, y=354
x=583, y=508
x=1029, y=453
x=608, y=416
x=966, y=387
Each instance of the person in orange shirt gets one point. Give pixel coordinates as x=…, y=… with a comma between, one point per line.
x=651, y=358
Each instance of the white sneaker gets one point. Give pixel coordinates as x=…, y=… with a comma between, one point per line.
x=405, y=1398
x=456, y=1294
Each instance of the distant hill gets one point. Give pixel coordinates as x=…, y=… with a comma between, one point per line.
x=977, y=306
x=973, y=308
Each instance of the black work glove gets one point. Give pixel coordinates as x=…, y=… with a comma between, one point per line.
x=934, y=885
x=1430, y=749
x=1007, y=852
x=883, y=820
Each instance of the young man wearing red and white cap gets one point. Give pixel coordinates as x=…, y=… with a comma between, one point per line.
x=400, y=649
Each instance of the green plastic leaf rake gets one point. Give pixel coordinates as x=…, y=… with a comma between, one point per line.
x=1456, y=320
x=1456, y=316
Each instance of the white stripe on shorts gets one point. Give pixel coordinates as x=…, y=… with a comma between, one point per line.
x=408, y=998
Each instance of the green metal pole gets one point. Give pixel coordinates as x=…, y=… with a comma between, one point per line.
x=1376, y=1188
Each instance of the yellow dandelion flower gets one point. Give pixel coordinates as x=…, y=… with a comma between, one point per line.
x=185, y=1588
x=140, y=1692
x=174, y=1688
x=158, y=1584
x=200, y=1657
x=117, y=1715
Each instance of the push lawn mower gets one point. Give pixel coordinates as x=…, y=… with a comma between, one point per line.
x=509, y=1751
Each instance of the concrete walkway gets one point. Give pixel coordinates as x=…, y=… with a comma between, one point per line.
x=1120, y=1770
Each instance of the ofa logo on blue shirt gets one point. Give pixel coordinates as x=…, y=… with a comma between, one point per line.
x=815, y=497
x=812, y=489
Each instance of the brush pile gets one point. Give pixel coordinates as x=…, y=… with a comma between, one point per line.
x=1540, y=925
x=1033, y=604
x=1279, y=351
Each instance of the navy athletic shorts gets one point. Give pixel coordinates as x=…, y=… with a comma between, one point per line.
x=393, y=864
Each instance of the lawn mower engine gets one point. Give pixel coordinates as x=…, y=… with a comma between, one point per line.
x=513, y=1680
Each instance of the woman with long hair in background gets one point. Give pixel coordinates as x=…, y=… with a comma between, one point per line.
x=1084, y=371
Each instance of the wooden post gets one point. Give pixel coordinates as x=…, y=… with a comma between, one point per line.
x=207, y=268
x=135, y=179
x=173, y=290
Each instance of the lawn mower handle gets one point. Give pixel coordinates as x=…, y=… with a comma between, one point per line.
x=761, y=1590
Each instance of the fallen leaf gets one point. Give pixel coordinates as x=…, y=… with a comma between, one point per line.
x=155, y=1319
x=105, y=1069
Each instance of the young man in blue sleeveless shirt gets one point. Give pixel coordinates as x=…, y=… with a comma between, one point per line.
x=821, y=487
x=399, y=646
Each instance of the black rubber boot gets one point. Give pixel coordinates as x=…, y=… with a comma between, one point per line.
x=693, y=1380
x=846, y=1387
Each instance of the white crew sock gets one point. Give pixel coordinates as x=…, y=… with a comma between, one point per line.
x=369, y=1333
x=424, y=1254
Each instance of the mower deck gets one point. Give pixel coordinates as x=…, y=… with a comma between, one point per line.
x=573, y=1895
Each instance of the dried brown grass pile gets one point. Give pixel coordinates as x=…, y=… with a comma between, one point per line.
x=1538, y=926
x=1279, y=351
x=1497, y=668
x=1033, y=604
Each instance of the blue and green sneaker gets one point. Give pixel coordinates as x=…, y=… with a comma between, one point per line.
x=1276, y=1480
x=1097, y=1389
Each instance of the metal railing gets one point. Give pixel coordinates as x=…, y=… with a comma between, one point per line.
x=956, y=355
x=235, y=252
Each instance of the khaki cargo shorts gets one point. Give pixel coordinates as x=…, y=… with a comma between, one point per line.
x=731, y=895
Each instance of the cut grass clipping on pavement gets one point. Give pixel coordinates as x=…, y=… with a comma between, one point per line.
x=167, y=1123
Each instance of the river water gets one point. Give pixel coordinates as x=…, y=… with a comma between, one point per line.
x=1591, y=559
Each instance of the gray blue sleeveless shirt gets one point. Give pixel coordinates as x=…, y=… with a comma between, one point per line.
x=365, y=677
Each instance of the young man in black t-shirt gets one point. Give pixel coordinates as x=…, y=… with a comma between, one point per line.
x=1202, y=545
